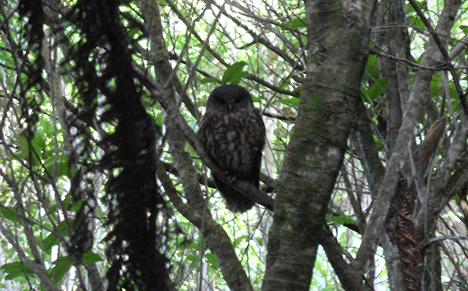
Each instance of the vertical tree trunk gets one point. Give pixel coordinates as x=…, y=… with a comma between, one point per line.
x=338, y=37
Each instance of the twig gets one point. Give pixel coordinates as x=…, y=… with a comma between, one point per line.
x=445, y=54
x=442, y=238
x=382, y=53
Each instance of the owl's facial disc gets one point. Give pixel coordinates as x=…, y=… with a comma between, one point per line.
x=232, y=101
x=222, y=100
x=229, y=101
x=229, y=98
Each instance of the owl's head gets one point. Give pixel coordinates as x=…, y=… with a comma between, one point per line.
x=229, y=98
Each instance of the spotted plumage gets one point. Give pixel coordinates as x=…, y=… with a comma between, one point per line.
x=233, y=134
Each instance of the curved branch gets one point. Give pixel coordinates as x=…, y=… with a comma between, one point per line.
x=217, y=239
x=442, y=238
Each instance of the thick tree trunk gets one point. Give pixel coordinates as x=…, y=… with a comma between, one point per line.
x=338, y=37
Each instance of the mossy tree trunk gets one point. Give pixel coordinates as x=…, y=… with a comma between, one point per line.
x=338, y=37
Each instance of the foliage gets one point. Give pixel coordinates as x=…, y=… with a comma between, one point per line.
x=70, y=77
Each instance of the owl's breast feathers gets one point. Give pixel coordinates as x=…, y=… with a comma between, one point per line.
x=234, y=141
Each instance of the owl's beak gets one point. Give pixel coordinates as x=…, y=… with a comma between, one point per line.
x=229, y=107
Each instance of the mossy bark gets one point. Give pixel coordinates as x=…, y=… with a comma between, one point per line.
x=338, y=38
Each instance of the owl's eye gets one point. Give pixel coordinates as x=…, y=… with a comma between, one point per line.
x=222, y=101
x=238, y=99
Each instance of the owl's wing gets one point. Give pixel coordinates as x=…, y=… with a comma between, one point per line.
x=258, y=131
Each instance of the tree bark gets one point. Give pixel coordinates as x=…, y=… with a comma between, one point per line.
x=403, y=144
x=338, y=37
x=195, y=210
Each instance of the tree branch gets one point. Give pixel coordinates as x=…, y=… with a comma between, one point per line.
x=403, y=143
x=442, y=238
x=349, y=278
x=35, y=265
x=443, y=51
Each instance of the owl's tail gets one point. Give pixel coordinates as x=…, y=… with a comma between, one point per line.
x=236, y=201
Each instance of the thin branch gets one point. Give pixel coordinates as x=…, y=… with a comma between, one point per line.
x=271, y=86
x=458, y=48
x=262, y=40
x=194, y=33
x=379, y=51
x=200, y=56
x=443, y=51
x=185, y=48
x=268, y=25
x=442, y=238
x=35, y=265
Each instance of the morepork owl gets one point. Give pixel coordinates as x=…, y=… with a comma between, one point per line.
x=233, y=134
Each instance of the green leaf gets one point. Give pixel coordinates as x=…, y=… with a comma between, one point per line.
x=238, y=241
x=212, y=260
x=364, y=93
x=90, y=258
x=38, y=143
x=159, y=118
x=453, y=91
x=210, y=80
x=464, y=28
x=76, y=205
x=16, y=270
x=24, y=151
x=372, y=67
x=234, y=73
x=409, y=8
x=435, y=84
x=133, y=32
x=259, y=241
x=47, y=126
x=51, y=239
x=378, y=88
x=290, y=101
x=417, y=22
x=191, y=258
x=189, y=245
x=62, y=265
x=10, y=214
x=342, y=219
x=296, y=23
x=61, y=166
x=298, y=90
